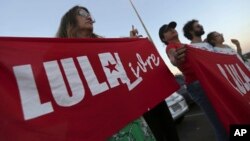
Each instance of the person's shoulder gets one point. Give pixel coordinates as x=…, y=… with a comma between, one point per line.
x=172, y=46
x=203, y=45
x=228, y=47
x=225, y=50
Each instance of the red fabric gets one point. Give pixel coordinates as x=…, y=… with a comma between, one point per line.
x=231, y=103
x=185, y=68
x=95, y=117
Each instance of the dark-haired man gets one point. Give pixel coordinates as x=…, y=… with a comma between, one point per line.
x=193, y=31
x=169, y=36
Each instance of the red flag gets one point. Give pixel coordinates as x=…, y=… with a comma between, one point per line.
x=226, y=82
x=77, y=89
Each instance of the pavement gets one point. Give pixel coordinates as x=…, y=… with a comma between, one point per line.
x=195, y=126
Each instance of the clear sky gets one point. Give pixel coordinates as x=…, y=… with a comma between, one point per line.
x=114, y=18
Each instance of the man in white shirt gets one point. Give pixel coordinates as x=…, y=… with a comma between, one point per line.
x=193, y=32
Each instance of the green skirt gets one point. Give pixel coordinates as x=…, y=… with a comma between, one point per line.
x=137, y=130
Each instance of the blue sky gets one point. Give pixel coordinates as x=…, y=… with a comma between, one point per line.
x=114, y=18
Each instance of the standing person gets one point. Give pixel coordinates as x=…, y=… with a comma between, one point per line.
x=216, y=40
x=78, y=23
x=169, y=36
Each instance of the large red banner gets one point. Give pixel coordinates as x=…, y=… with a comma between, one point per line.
x=77, y=89
x=226, y=81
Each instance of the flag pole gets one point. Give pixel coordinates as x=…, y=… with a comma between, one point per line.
x=141, y=21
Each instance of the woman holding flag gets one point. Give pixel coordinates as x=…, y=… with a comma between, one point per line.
x=78, y=23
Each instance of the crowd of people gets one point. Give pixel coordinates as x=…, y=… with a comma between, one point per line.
x=176, y=52
x=78, y=23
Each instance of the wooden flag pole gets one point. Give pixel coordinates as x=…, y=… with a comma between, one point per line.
x=141, y=21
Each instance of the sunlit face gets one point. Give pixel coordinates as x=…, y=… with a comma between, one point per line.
x=84, y=20
x=198, y=29
x=170, y=34
x=218, y=38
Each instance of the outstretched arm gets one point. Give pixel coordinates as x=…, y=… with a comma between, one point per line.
x=177, y=56
x=237, y=44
